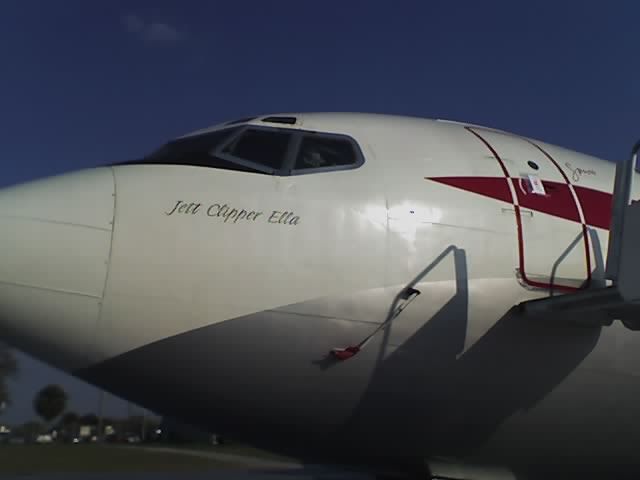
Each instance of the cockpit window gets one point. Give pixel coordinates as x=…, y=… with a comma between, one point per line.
x=263, y=147
x=194, y=150
x=257, y=149
x=317, y=151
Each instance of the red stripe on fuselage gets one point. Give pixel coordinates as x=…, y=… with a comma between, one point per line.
x=558, y=202
x=596, y=206
x=492, y=187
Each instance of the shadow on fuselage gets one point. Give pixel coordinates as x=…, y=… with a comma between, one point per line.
x=257, y=377
x=429, y=397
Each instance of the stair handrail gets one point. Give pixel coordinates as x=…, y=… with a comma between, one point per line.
x=620, y=201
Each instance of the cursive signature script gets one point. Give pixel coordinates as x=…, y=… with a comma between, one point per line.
x=576, y=173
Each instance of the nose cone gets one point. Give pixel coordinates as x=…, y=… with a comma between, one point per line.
x=55, y=241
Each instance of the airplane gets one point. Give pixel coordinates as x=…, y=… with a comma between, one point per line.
x=423, y=296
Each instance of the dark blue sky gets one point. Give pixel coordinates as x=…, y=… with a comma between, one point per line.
x=86, y=83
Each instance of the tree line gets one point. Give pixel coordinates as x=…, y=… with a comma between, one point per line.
x=50, y=405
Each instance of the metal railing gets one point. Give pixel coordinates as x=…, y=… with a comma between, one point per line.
x=621, y=200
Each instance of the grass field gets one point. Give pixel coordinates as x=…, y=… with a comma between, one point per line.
x=32, y=459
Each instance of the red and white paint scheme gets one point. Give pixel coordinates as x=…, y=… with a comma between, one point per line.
x=370, y=289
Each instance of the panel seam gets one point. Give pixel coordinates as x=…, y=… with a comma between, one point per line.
x=99, y=320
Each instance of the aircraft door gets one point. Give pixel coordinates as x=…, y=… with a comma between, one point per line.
x=553, y=244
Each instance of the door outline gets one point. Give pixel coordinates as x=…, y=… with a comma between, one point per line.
x=516, y=206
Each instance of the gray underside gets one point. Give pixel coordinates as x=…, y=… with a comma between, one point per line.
x=267, y=378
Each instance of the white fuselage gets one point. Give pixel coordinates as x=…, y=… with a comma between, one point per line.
x=216, y=295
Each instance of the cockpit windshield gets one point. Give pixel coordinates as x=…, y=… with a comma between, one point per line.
x=258, y=149
x=266, y=148
x=194, y=148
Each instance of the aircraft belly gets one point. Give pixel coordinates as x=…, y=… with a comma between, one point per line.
x=507, y=394
x=442, y=384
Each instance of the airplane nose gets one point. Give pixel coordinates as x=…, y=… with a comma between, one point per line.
x=55, y=241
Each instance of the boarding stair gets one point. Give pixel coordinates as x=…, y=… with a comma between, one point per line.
x=619, y=298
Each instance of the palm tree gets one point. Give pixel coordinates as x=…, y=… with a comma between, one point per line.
x=50, y=402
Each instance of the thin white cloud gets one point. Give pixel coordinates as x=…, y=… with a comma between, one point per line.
x=150, y=32
x=161, y=33
x=132, y=23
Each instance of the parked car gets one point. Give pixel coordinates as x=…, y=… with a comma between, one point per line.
x=44, y=438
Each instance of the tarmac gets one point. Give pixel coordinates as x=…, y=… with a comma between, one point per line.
x=304, y=473
x=245, y=468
